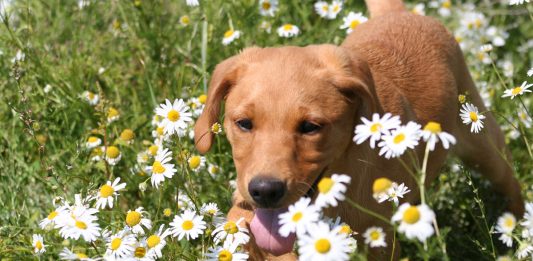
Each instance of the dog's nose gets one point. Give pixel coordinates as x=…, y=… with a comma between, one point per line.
x=266, y=192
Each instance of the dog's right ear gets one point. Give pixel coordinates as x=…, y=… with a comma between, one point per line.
x=224, y=76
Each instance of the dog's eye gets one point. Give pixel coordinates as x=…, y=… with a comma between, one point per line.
x=308, y=127
x=244, y=124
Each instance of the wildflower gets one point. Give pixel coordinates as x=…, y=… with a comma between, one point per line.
x=323, y=243
x=528, y=219
x=112, y=155
x=483, y=57
x=47, y=88
x=432, y=133
x=517, y=2
x=334, y=9
x=331, y=190
x=184, y=201
x=156, y=242
x=197, y=104
x=322, y=8
x=97, y=154
x=127, y=136
x=375, y=237
x=524, y=250
x=66, y=254
x=519, y=90
x=506, y=225
x=19, y=57
x=375, y=128
x=230, y=36
x=79, y=223
x=185, y=20
x=216, y=128
x=196, y=162
x=135, y=220
x=497, y=35
x=404, y=137
x=175, y=116
x=112, y=115
x=288, y=30
x=187, y=225
x=470, y=115
x=50, y=220
x=530, y=72
x=226, y=252
x=266, y=26
x=268, y=7
x=298, y=217
x=486, y=48
x=213, y=169
x=415, y=221
x=419, y=9
x=161, y=168
x=234, y=231
x=384, y=189
x=107, y=192
x=93, y=142
x=120, y=245
x=352, y=20
x=141, y=251
x=210, y=209
x=445, y=8
x=192, y=2
x=167, y=212
x=38, y=244
x=90, y=97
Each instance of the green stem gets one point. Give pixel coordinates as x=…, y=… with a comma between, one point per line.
x=422, y=183
x=369, y=212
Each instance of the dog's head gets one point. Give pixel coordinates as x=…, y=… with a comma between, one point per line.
x=289, y=113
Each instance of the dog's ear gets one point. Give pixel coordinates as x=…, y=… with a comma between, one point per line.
x=224, y=76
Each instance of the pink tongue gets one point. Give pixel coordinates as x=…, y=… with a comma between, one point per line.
x=265, y=227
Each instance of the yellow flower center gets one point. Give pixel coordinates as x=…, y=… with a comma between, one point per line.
x=106, y=191
x=38, y=245
x=185, y=20
x=212, y=211
x=115, y=243
x=140, y=252
x=411, y=215
x=375, y=127
x=92, y=139
x=157, y=168
x=112, y=152
x=153, y=241
x=345, y=229
x=173, y=115
x=52, y=215
x=516, y=90
x=153, y=150
x=187, y=225
x=325, y=185
x=127, y=135
x=194, y=162
x=266, y=5
x=231, y=228
x=297, y=216
x=81, y=225
x=509, y=222
x=481, y=56
x=215, y=128
x=322, y=246
x=461, y=98
x=354, y=24
x=473, y=116
x=90, y=95
x=160, y=131
x=399, y=138
x=433, y=127
x=287, y=27
x=167, y=212
x=112, y=112
x=336, y=8
x=81, y=255
x=225, y=255
x=374, y=235
x=325, y=8
x=214, y=170
x=228, y=33
x=133, y=218
x=202, y=98
x=381, y=185
x=477, y=23
x=447, y=4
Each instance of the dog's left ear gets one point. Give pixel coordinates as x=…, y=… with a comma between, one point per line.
x=352, y=77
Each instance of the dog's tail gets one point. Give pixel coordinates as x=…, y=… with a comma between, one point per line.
x=381, y=7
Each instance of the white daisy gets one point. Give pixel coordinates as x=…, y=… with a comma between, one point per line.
x=90, y=97
x=486, y=48
x=141, y=251
x=112, y=155
x=288, y=30
x=161, y=168
x=184, y=201
x=108, y=192
x=384, y=189
x=230, y=36
x=210, y=209
x=120, y=245
x=135, y=220
x=445, y=8
x=415, y=221
x=527, y=222
x=127, y=136
x=470, y=115
x=185, y=20
x=97, y=154
x=76, y=225
x=399, y=140
x=519, y=90
x=213, y=169
x=331, y=190
x=352, y=20
x=375, y=128
x=112, y=115
x=298, y=217
x=375, y=237
x=216, y=128
x=524, y=250
x=505, y=226
x=268, y=7
x=175, y=116
x=66, y=254
x=334, y=9
x=187, y=225
x=197, y=104
x=93, y=142
x=38, y=244
x=50, y=220
x=265, y=26
x=432, y=133
x=396, y=192
x=322, y=8
x=234, y=231
x=323, y=243
x=419, y=9
x=192, y=2
x=530, y=72
x=196, y=162
x=156, y=242
x=227, y=252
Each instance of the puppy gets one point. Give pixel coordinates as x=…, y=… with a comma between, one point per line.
x=290, y=114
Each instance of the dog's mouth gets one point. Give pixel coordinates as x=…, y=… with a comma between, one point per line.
x=265, y=226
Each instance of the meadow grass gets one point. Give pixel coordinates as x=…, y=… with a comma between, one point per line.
x=135, y=54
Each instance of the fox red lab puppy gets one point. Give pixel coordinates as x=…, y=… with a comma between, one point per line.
x=291, y=112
